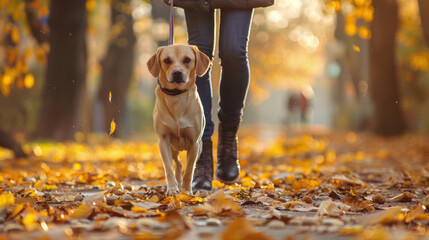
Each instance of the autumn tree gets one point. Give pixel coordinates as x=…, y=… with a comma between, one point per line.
x=384, y=87
x=118, y=63
x=65, y=72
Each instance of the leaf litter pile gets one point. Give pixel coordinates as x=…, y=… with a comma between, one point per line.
x=306, y=186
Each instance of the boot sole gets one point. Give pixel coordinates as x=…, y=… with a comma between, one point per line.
x=227, y=182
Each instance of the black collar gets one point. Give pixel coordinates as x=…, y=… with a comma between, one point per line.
x=171, y=92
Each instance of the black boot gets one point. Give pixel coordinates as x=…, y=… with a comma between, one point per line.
x=203, y=174
x=228, y=166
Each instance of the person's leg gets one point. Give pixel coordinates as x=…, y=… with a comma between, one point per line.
x=201, y=33
x=200, y=27
x=233, y=41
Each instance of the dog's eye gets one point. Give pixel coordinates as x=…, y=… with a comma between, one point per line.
x=186, y=60
x=167, y=61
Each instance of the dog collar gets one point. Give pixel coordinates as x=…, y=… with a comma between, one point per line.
x=171, y=92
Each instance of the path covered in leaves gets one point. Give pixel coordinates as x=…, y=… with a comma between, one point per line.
x=318, y=185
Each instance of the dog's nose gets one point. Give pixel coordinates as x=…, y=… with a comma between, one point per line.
x=177, y=76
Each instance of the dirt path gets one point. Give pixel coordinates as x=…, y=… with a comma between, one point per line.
x=307, y=185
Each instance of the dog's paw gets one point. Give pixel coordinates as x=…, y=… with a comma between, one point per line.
x=172, y=191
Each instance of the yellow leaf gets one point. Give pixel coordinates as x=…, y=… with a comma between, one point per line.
x=217, y=184
x=416, y=211
x=38, y=185
x=77, y=166
x=30, y=221
x=110, y=96
x=153, y=199
x=112, y=126
x=15, y=34
x=356, y=48
x=15, y=211
x=48, y=187
x=29, y=80
x=247, y=182
x=83, y=211
x=6, y=199
x=219, y=204
x=138, y=209
x=352, y=230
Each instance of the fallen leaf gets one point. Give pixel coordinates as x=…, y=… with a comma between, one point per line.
x=241, y=229
x=95, y=198
x=15, y=211
x=112, y=126
x=416, y=211
x=342, y=179
x=115, y=222
x=356, y=48
x=30, y=221
x=6, y=199
x=426, y=201
x=379, y=233
x=146, y=205
x=352, y=230
x=83, y=211
x=276, y=224
x=404, y=197
x=331, y=208
x=390, y=216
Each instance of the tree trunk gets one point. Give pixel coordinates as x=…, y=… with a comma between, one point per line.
x=118, y=64
x=66, y=70
x=388, y=118
x=424, y=16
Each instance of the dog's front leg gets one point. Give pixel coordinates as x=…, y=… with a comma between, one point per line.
x=192, y=155
x=166, y=156
x=178, y=172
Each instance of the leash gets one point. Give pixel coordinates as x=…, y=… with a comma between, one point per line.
x=171, y=38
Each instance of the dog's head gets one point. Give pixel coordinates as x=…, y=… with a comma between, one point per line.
x=178, y=65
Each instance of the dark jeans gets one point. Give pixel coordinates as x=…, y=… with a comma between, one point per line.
x=233, y=39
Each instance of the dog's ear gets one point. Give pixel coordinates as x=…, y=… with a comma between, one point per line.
x=202, y=62
x=153, y=63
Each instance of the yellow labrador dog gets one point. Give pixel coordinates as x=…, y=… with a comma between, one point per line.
x=178, y=115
